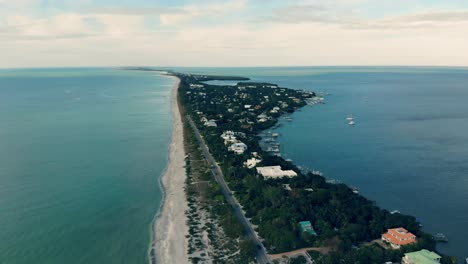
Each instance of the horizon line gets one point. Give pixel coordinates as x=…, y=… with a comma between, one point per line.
x=227, y=67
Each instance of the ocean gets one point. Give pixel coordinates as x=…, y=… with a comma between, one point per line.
x=81, y=153
x=408, y=150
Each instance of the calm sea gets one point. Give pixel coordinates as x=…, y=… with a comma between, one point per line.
x=409, y=148
x=81, y=152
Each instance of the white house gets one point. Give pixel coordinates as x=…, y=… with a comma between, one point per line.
x=196, y=85
x=250, y=163
x=275, y=172
x=238, y=148
x=229, y=137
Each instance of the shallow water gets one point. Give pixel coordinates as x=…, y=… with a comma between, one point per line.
x=81, y=151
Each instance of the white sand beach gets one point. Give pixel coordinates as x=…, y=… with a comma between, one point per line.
x=170, y=245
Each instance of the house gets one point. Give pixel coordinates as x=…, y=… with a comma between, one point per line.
x=275, y=110
x=275, y=172
x=229, y=137
x=238, y=148
x=250, y=163
x=421, y=257
x=227, y=134
x=196, y=85
x=210, y=123
x=398, y=237
x=306, y=226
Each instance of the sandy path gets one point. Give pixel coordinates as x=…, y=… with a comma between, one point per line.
x=170, y=227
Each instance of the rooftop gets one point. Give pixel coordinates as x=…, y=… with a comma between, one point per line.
x=275, y=172
x=306, y=226
x=422, y=257
x=399, y=237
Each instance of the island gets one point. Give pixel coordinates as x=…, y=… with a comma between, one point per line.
x=245, y=203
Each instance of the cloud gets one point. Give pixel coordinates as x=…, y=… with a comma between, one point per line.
x=421, y=20
x=222, y=34
x=318, y=13
x=351, y=18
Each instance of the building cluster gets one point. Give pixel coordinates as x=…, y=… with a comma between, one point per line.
x=244, y=107
x=234, y=144
x=247, y=103
x=398, y=237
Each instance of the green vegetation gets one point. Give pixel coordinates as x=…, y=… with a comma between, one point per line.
x=345, y=221
x=214, y=232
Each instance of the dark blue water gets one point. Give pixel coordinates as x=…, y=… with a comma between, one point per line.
x=408, y=149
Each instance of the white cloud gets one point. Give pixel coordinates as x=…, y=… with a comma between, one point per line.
x=311, y=35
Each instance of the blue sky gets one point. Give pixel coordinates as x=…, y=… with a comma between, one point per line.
x=233, y=32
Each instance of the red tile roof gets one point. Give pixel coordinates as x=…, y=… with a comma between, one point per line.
x=399, y=236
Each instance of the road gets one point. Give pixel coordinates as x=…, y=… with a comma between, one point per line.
x=261, y=254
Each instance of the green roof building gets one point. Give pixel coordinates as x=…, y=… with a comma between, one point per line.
x=421, y=257
x=306, y=226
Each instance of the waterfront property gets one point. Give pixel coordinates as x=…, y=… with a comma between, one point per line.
x=278, y=198
x=238, y=148
x=275, y=172
x=421, y=257
x=398, y=237
x=306, y=226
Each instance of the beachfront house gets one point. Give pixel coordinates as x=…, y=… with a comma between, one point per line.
x=398, y=237
x=421, y=257
x=306, y=226
x=275, y=172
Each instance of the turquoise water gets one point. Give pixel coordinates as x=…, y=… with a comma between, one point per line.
x=81, y=151
x=409, y=148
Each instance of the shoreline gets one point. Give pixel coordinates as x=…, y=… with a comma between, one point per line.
x=169, y=228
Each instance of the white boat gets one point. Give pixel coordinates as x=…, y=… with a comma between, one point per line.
x=351, y=123
x=350, y=118
x=466, y=260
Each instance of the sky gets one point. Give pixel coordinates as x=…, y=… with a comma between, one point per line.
x=67, y=33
